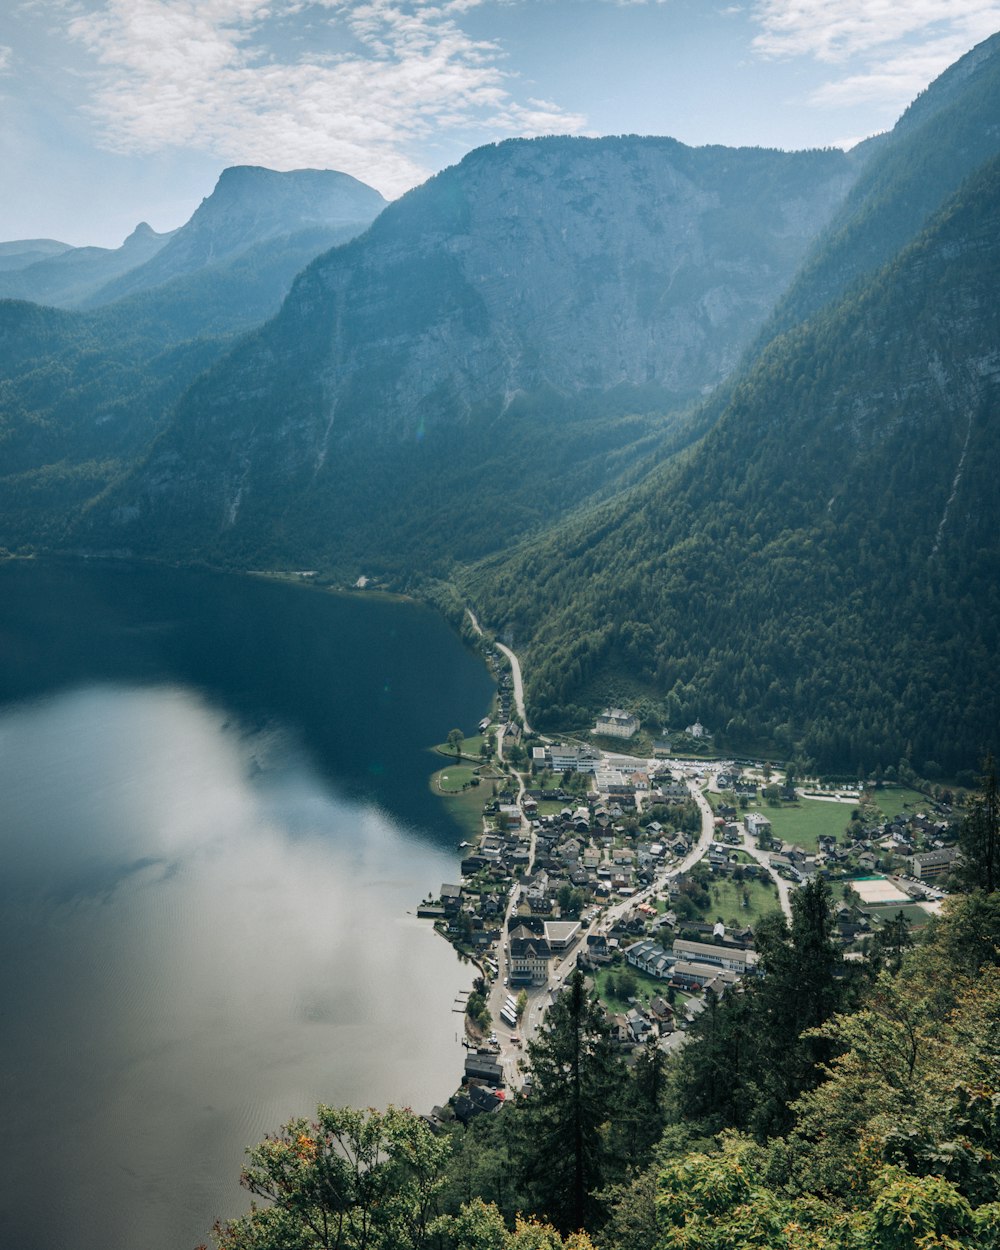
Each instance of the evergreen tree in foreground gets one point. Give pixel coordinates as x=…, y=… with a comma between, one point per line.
x=979, y=838
x=564, y=1124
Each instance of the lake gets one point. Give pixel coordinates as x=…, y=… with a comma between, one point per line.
x=216, y=826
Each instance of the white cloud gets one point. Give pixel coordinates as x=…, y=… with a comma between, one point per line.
x=203, y=74
x=888, y=49
x=832, y=32
x=6, y=56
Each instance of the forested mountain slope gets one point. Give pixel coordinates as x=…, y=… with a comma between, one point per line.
x=943, y=137
x=821, y=572
x=82, y=394
x=473, y=365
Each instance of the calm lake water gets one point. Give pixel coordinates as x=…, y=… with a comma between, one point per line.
x=215, y=826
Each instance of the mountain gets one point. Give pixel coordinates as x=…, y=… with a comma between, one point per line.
x=499, y=391
x=230, y=296
x=819, y=574
x=65, y=278
x=81, y=396
x=506, y=340
x=20, y=253
x=943, y=138
x=84, y=393
x=250, y=206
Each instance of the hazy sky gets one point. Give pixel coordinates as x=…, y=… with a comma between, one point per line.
x=115, y=111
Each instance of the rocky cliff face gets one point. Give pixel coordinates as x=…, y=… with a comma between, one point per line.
x=249, y=206
x=574, y=264
x=561, y=268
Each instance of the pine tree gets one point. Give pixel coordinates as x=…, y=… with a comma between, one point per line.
x=979, y=839
x=801, y=988
x=576, y=1081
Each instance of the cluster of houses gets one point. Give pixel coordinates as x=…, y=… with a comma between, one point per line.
x=601, y=847
x=583, y=846
x=922, y=843
x=692, y=965
x=918, y=844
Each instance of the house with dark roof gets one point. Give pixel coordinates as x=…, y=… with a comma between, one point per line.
x=529, y=957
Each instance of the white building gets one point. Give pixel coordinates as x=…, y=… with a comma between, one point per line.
x=728, y=957
x=565, y=758
x=756, y=824
x=616, y=723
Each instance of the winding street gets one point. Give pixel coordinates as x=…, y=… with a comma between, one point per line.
x=747, y=844
x=515, y=671
x=538, y=996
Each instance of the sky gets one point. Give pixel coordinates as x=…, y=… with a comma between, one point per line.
x=119, y=111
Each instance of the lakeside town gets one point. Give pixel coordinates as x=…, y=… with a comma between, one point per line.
x=649, y=872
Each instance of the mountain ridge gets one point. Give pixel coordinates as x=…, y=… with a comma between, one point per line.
x=66, y=278
x=249, y=206
x=753, y=593
x=534, y=276
x=499, y=390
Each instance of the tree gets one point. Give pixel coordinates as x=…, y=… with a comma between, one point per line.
x=480, y=1226
x=516, y=754
x=890, y=942
x=455, y=740
x=724, y=1201
x=570, y=900
x=718, y=1071
x=627, y=984
x=801, y=988
x=641, y=1114
x=576, y=1082
x=348, y=1180
x=979, y=837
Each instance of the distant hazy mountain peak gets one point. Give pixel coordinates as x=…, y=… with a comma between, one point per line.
x=145, y=234
x=248, y=206
x=306, y=196
x=34, y=247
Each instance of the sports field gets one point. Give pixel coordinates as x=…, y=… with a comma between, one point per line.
x=877, y=890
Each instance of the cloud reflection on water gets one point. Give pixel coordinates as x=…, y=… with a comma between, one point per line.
x=199, y=939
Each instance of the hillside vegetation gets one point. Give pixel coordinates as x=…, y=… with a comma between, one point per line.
x=705, y=431
x=819, y=1109
x=821, y=569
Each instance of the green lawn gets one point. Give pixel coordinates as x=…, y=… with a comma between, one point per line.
x=727, y=902
x=647, y=987
x=891, y=802
x=470, y=747
x=456, y=777
x=803, y=821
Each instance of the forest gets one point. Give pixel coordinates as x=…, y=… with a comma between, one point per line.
x=819, y=572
